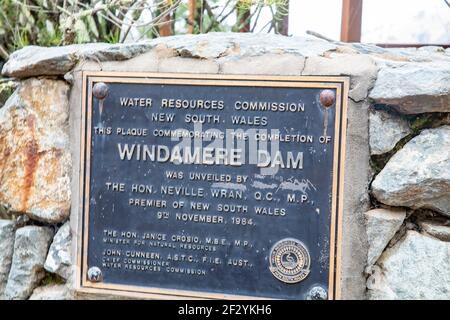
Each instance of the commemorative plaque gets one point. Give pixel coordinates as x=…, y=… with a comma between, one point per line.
x=211, y=186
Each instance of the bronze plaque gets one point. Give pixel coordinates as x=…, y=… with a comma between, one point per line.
x=211, y=186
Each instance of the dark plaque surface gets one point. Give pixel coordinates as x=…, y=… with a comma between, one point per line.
x=212, y=187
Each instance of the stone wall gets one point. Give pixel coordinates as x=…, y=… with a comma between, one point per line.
x=396, y=230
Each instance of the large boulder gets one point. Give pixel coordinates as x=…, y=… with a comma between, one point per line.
x=35, y=163
x=58, y=259
x=382, y=224
x=27, y=269
x=417, y=267
x=414, y=87
x=385, y=131
x=6, y=251
x=36, y=61
x=418, y=175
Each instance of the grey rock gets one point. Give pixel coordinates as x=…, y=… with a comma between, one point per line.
x=51, y=292
x=7, y=228
x=27, y=269
x=436, y=229
x=385, y=130
x=411, y=54
x=382, y=224
x=35, y=61
x=367, y=48
x=58, y=259
x=422, y=54
x=412, y=87
x=216, y=45
x=418, y=175
x=431, y=49
x=361, y=69
x=418, y=267
x=275, y=64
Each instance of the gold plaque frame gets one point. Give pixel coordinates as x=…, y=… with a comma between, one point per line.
x=341, y=84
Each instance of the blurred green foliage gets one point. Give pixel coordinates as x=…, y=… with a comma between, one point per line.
x=6, y=89
x=54, y=22
x=51, y=279
x=58, y=22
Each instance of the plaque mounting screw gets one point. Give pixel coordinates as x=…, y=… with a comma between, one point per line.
x=95, y=274
x=317, y=293
x=100, y=90
x=327, y=98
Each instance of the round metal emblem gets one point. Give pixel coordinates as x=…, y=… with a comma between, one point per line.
x=289, y=260
x=95, y=274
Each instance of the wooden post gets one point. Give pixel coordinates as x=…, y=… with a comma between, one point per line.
x=242, y=15
x=165, y=27
x=351, y=20
x=191, y=18
x=283, y=25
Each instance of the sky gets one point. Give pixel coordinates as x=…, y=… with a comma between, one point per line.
x=383, y=21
